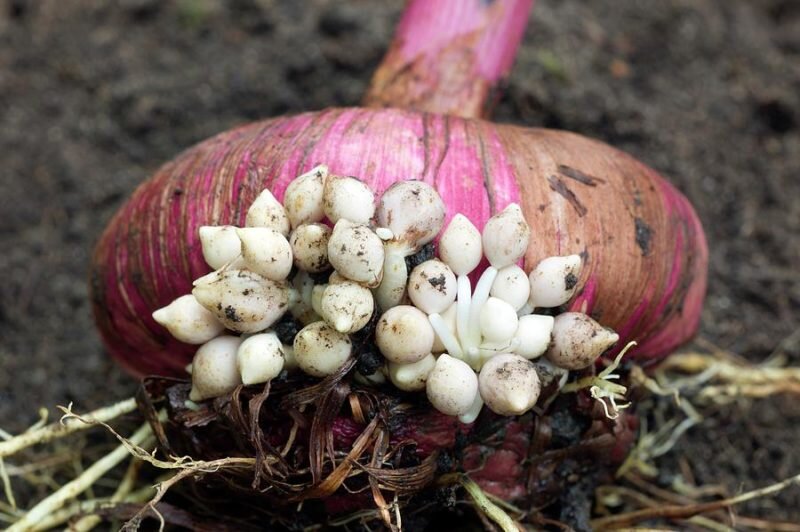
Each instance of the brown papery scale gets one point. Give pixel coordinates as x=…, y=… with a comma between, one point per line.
x=643, y=250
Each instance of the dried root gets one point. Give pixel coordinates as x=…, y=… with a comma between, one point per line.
x=690, y=381
x=233, y=444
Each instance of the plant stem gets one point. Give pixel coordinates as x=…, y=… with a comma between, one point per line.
x=58, y=430
x=449, y=56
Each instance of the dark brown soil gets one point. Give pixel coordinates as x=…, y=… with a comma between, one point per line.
x=94, y=97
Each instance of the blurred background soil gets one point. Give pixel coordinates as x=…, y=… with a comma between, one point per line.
x=94, y=95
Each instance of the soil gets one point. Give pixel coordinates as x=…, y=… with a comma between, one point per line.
x=95, y=95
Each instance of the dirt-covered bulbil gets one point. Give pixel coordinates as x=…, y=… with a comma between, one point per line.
x=356, y=252
x=464, y=347
x=242, y=300
x=309, y=244
x=320, y=350
x=578, y=340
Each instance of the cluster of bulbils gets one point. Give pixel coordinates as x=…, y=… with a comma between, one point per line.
x=464, y=347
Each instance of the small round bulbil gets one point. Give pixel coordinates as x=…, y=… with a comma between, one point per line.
x=554, y=281
x=220, y=244
x=189, y=321
x=413, y=211
x=320, y=350
x=512, y=286
x=534, y=333
x=432, y=286
x=356, y=252
x=498, y=321
x=266, y=211
x=260, y=358
x=404, y=335
x=303, y=197
x=242, y=300
x=460, y=245
x=578, y=340
x=266, y=252
x=452, y=386
x=346, y=306
x=214, y=370
x=506, y=236
x=348, y=198
x=509, y=385
x=309, y=244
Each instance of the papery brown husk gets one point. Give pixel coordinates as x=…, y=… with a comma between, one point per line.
x=358, y=448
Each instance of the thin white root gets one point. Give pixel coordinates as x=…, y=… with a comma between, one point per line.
x=446, y=336
x=479, y=297
x=59, y=430
x=602, y=389
x=77, y=486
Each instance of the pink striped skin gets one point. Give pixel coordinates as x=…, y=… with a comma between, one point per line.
x=650, y=289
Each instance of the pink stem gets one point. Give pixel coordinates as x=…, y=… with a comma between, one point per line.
x=449, y=56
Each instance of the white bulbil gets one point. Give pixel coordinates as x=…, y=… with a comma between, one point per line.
x=506, y=236
x=260, y=358
x=356, y=252
x=452, y=386
x=214, y=371
x=346, y=306
x=512, y=286
x=554, y=281
x=432, y=286
x=509, y=385
x=412, y=377
x=413, y=211
x=268, y=212
x=348, y=198
x=309, y=244
x=301, y=309
x=319, y=350
x=395, y=278
x=316, y=297
x=266, y=252
x=448, y=320
x=533, y=333
x=578, y=340
x=220, y=244
x=404, y=335
x=460, y=245
x=303, y=197
x=498, y=321
x=189, y=321
x=243, y=301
